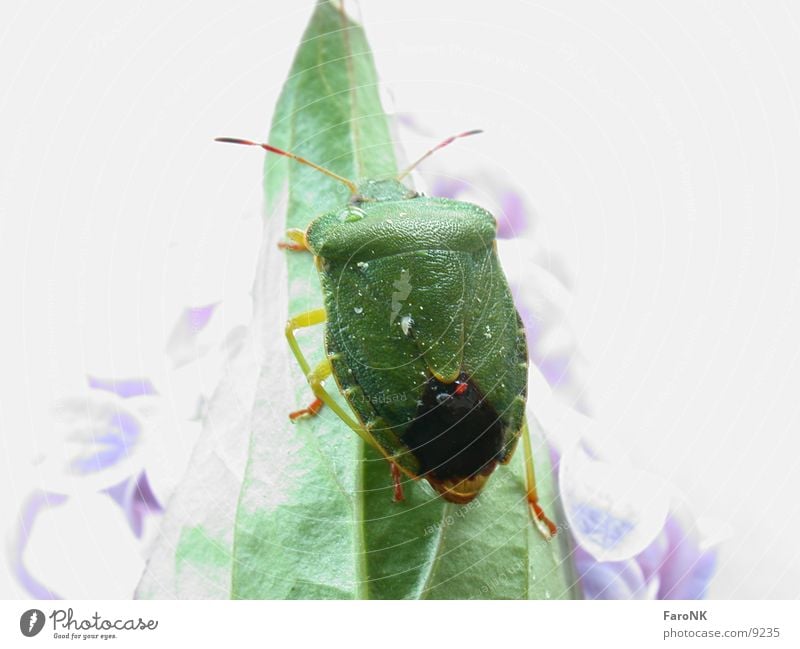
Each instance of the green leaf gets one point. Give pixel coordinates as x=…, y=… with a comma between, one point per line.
x=306, y=510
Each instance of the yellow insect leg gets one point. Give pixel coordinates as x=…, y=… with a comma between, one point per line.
x=297, y=240
x=300, y=321
x=547, y=526
x=307, y=319
x=320, y=373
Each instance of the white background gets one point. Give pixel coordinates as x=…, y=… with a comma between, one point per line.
x=657, y=142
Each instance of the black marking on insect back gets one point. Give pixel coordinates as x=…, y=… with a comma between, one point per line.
x=456, y=433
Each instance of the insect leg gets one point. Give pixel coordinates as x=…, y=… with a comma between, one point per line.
x=544, y=523
x=297, y=240
x=315, y=379
x=312, y=409
x=398, y=486
x=320, y=373
x=307, y=319
x=301, y=320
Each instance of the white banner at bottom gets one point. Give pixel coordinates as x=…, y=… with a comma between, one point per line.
x=386, y=625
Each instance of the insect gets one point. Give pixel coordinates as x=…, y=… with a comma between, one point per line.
x=421, y=333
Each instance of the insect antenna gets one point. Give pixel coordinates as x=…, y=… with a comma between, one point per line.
x=273, y=149
x=441, y=145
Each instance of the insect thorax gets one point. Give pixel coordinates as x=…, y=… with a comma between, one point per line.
x=381, y=189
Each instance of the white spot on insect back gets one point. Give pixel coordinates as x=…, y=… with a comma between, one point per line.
x=402, y=290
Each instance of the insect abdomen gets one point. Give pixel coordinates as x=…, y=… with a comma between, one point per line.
x=456, y=434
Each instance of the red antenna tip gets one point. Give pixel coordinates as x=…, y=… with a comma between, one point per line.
x=268, y=147
x=235, y=140
x=441, y=145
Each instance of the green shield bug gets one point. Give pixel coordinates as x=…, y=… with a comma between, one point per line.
x=421, y=334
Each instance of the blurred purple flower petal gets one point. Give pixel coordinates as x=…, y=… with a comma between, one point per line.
x=554, y=368
x=122, y=431
x=95, y=443
x=609, y=579
x=513, y=216
x=410, y=121
x=542, y=302
x=99, y=435
x=197, y=317
x=630, y=542
x=614, y=511
x=124, y=388
x=686, y=569
x=445, y=187
x=37, y=502
x=652, y=557
x=137, y=500
x=182, y=346
x=672, y=567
